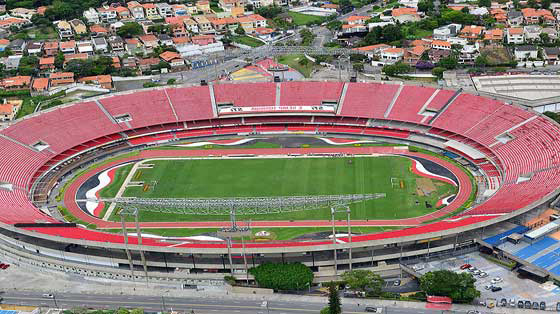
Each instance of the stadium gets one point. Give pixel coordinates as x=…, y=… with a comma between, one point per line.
x=144, y=185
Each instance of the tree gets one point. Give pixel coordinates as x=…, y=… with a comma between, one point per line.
x=363, y=280
x=397, y=69
x=438, y=72
x=269, y=12
x=425, y=6
x=59, y=60
x=545, y=4
x=545, y=39
x=28, y=65
x=130, y=29
x=291, y=276
x=172, y=81
x=159, y=29
x=334, y=300
x=484, y=3
x=449, y=62
x=459, y=287
x=240, y=30
x=334, y=25
x=481, y=61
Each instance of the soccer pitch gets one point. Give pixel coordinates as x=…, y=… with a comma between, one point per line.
x=253, y=177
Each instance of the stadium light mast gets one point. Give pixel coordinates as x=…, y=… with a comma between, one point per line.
x=134, y=212
x=346, y=209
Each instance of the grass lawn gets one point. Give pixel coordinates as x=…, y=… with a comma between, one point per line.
x=248, y=41
x=276, y=233
x=112, y=189
x=290, y=177
x=305, y=19
x=36, y=33
x=293, y=62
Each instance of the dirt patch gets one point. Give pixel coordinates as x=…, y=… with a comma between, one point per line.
x=425, y=186
x=496, y=55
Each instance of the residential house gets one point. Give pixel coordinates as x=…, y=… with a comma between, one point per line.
x=500, y=15
x=265, y=33
x=149, y=41
x=404, y=15
x=114, y=27
x=91, y=16
x=104, y=81
x=191, y=25
x=147, y=64
x=64, y=30
x=133, y=46
x=468, y=53
x=177, y=26
x=165, y=40
x=40, y=84
x=4, y=43
x=200, y=44
x=61, y=78
x=116, y=43
x=203, y=23
x=203, y=6
x=151, y=11
x=123, y=13
x=221, y=25
x=536, y=16
x=98, y=30
x=67, y=47
x=514, y=35
x=551, y=32
x=392, y=55
x=23, y=13
x=85, y=46
x=471, y=32
x=16, y=83
x=531, y=33
x=78, y=26
x=252, y=22
x=107, y=14
x=34, y=47
x=409, y=3
x=8, y=110
x=136, y=9
x=50, y=48
x=164, y=9
x=130, y=63
x=357, y=19
x=17, y=46
x=7, y=23
x=172, y=58
x=435, y=55
x=180, y=10
x=46, y=64
x=446, y=31
x=526, y=52
x=414, y=54
x=116, y=62
x=191, y=8
x=495, y=35
x=353, y=28
x=265, y=3
x=440, y=45
x=228, y=5
x=514, y=18
x=552, y=55
x=100, y=44
x=373, y=50
x=12, y=62
x=479, y=11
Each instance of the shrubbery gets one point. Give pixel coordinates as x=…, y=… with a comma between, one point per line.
x=292, y=276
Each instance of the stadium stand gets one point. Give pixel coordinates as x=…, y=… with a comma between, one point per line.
x=191, y=103
x=410, y=102
x=360, y=103
x=309, y=93
x=241, y=95
x=498, y=238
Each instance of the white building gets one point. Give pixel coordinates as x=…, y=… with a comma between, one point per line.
x=514, y=35
x=526, y=52
x=91, y=16
x=447, y=31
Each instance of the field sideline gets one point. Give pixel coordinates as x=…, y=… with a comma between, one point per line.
x=253, y=177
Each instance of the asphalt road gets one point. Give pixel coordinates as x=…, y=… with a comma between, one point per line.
x=199, y=305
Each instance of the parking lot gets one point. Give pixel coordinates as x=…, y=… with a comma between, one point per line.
x=512, y=286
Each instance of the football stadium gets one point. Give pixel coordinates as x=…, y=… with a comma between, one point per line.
x=186, y=184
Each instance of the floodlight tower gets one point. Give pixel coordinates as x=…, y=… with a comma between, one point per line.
x=343, y=209
x=133, y=212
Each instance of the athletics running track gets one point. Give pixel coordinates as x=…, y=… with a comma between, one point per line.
x=462, y=195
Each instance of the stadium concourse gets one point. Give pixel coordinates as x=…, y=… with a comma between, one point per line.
x=516, y=153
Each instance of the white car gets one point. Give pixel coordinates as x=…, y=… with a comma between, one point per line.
x=497, y=280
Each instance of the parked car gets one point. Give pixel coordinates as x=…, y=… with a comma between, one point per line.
x=397, y=283
x=465, y=266
x=535, y=305
x=497, y=280
x=527, y=304
x=48, y=296
x=520, y=304
x=503, y=302
x=372, y=309
x=4, y=266
x=476, y=272
x=542, y=305
x=472, y=269
x=557, y=306
x=483, y=275
x=512, y=302
x=488, y=287
x=496, y=289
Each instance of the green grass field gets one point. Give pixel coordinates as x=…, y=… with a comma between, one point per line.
x=289, y=177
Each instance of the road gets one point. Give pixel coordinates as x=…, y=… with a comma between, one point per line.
x=199, y=305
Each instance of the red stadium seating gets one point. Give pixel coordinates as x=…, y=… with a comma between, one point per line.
x=527, y=164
